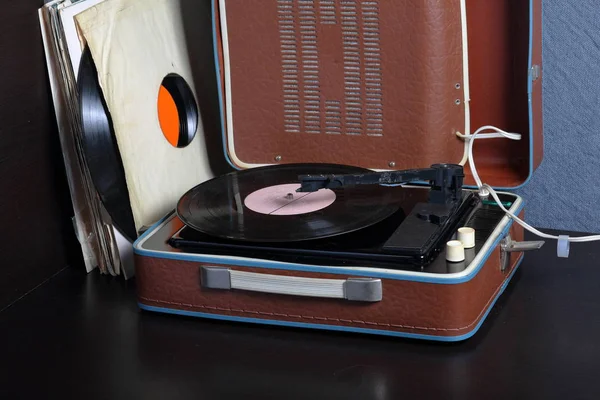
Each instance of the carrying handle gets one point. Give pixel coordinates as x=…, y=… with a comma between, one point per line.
x=352, y=289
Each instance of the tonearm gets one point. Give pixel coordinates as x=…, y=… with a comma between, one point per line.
x=423, y=225
x=446, y=181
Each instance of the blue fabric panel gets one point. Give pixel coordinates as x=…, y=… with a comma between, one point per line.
x=564, y=192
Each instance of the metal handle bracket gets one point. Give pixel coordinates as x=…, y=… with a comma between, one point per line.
x=507, y=246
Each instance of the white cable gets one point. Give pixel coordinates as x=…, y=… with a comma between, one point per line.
x=530, y=228
x=512, y=136
x=498, y=133
x=485, y=189
x=479, y=134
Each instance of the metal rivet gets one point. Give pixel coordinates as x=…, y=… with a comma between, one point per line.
x=457, y=86
x=457, y=102
x=392, y=164
x=277, y=158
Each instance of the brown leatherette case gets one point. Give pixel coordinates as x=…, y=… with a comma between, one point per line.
x=407, y=307
x=380, y=83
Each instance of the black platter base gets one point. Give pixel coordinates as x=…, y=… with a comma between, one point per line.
x=363, y=247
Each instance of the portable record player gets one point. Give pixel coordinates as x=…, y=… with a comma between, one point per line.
x=348, y=134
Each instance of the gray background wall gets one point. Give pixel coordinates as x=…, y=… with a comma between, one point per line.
x=564, y=192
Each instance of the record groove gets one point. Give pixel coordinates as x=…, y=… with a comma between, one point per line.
x=217, y=207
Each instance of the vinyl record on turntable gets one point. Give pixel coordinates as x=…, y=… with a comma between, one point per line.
x=261, y=205
x=100, y=148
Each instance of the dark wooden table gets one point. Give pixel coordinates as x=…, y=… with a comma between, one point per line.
x=82, y=337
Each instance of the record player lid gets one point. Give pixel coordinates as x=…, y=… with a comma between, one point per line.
x=380, y=84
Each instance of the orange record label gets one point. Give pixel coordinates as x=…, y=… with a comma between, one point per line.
x=168, y=116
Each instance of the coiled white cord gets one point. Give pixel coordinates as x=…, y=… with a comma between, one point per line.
x=486, y=190
x=480, y=134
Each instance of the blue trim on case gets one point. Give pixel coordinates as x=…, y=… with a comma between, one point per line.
x=214, y=3
x=530, y=60
x=336, y=327
x=267, y=264
x=529, y=97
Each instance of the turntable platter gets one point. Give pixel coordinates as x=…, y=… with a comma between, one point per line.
x=261, y=205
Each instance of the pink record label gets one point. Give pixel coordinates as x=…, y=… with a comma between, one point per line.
x=284, y=200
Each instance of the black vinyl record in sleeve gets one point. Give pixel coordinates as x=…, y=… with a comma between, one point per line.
x=100, y=148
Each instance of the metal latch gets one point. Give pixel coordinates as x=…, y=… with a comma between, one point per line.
x=507, y=246
x=535, y=72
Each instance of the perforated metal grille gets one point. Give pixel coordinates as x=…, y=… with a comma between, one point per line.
x=310, y=66
x=333, y=117
x=373, y=74
x=290, y=65
x=355, y=23
x=328, y=12
x=352, y=67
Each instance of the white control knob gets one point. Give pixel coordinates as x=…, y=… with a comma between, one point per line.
x=455, y=251
x=467, y=237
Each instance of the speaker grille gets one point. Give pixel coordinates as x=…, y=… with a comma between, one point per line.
x=373, y=74
x=289, y=65
x=354, y=25
x=310, y=66
x=328, y=13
